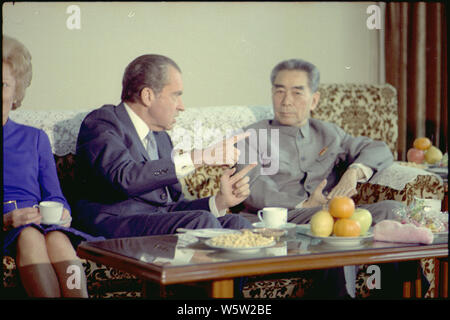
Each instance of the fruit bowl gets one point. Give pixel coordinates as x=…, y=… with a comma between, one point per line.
x=333, y=240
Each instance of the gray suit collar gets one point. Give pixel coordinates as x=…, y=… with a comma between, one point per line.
x=290, y=130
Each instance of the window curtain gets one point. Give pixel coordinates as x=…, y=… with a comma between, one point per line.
x=416, y=65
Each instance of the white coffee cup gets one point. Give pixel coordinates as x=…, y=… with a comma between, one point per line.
x=273, y=217
x=51, y=211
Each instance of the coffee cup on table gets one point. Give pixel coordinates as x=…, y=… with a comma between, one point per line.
x=51, y=211
x=273, y=217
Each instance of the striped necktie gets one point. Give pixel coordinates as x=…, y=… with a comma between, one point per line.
x=152, y=149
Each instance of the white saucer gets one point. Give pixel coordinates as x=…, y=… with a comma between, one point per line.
x=285, y=226
x=59, y=223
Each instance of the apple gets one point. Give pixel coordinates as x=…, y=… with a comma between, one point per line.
x=321, y=223
x=433, y=155
x=415, y=155
x=364, y=217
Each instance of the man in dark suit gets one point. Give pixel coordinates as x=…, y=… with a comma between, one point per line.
x=129, y=172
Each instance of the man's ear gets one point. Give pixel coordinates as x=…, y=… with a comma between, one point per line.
x=147, y=96
x=315, y=101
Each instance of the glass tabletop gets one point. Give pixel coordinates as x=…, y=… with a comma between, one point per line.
x=184, y=249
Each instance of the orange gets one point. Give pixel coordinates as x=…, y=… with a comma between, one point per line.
x=422, y=143
x=347, y=228
x=341, y=207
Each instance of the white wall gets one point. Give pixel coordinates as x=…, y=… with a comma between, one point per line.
x=225, y=50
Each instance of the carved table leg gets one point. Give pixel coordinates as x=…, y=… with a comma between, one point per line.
x=222, y=288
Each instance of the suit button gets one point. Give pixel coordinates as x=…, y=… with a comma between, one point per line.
x=163, y=196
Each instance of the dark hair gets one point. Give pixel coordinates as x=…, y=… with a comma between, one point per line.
x=300, y=65
x=148, y=70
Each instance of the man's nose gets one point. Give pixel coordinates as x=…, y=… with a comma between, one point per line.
x=287, y=99
x=180, y=105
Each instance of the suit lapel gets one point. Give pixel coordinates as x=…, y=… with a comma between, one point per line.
x=162, y=141
x=165, y=152
x=123, y=116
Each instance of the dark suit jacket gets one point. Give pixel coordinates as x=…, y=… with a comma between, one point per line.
x=115, y=173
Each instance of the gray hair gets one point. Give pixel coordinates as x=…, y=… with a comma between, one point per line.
x=146, y=71
x=299, y=65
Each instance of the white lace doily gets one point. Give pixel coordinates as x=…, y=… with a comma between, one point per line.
x=200, y=127
x=197, y=127
x=397, y=176
x=62, y=127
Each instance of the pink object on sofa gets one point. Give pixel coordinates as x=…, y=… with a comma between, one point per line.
x=394, y=231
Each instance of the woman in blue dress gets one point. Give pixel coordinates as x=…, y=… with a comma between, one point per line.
x=45, y=254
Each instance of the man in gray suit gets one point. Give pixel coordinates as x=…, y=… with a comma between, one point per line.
x=129, y=172
x=305, y=162
x=315, y=160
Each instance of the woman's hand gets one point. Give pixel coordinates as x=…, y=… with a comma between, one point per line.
x=20, y=217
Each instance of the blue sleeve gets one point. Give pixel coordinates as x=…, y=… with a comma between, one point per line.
x=48, y=178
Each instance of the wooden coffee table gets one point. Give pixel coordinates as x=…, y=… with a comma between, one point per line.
x=182, y=258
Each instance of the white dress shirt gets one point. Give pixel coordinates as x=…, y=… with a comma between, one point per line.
x=183, y=162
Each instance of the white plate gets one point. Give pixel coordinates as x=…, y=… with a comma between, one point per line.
x=207, y=232
x=285, y=226
x=333, y=240
x=245, y=250
x=438, y=170
x=59, y=223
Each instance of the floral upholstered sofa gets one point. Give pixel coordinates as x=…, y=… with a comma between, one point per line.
x=369, y=110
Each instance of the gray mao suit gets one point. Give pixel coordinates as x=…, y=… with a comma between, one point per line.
x=293, y=161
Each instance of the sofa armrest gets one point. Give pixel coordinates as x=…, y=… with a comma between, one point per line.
x=203, y=182
x=423, y=186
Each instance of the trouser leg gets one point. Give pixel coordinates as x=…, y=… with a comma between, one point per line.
x=234, y=221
